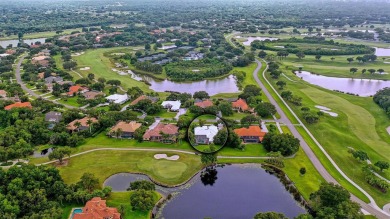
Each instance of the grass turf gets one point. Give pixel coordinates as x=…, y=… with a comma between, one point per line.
x=103, y=164
x=360, y=124
x=123, y=198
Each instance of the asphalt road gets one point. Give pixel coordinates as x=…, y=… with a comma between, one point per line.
x=372, y=207
x=25, y=88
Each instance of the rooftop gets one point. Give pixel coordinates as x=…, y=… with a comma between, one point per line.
x=18, y=105
x=126, y=126
x=209, y=131
x=97, y=208
x=173, y=105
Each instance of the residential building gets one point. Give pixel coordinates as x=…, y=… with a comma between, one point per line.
x=3, y=93
x=41, y=75
x=91, y=95
x=252, y=134
x=75, y=89
x=172, y=105
x=97, y=208
x=143, y=97
x=83, y=124
x=18, y=105
x=240, y=105
x=127, y=129
x=204, y=103
x=52, y=79
x=165, y=133
x=118, y=98
x=53, y=117
x=205, y=134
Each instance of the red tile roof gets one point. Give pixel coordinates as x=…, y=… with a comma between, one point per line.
x=18, y=105
x=240, y=104
x=97, y=208
x=166, y=129
x=142, y=97
x=74, y=89
x=204, y=104
x=83, y=122
x=252, y=130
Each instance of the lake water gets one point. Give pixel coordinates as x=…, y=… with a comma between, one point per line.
x=382, y=51
x=362, y=87
x=235, y=191
x=5, y=43
x=212, y=86
x=251, y=39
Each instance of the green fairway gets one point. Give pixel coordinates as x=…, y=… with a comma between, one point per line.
x=103, y=164
x=249, y=150
x=361, y=124
x=339, y=67
x=123, y=198
x=40, y=34
x=101, y=66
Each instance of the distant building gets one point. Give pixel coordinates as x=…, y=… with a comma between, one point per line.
x=91, y=95
x=240, y=105
x=204, y=103
x=171, y=105
x=3, y=93
x=97, y=208
x=162, y=133
x=143, y=97
x=53, y=117
x=18, y=105
x=252, y=134
x=75, y=89
x=118, y=98
x=83, y=124
x=205, y=134
x=52, y=79
x=127, y=129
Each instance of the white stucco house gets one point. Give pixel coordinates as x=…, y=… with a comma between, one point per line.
x=205, y=134
x=172, y=105
x=117, y=98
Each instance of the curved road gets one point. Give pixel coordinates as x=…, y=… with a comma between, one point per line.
x=25, y=88
x=372, y=207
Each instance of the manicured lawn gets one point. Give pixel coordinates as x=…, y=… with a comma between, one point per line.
x=103, y=164
x=40, y=34
x=165, y=114
x=101, y=66
x=339, y=67
x=102, y=141
x=360, y=124
x=72, y=101
x=250, y=150
x=123, y=198
x=237, y=116
x=67, y=209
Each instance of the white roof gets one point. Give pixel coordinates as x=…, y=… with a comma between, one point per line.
x=4, y=55
x=209, y=131
x=175, y=105
x=117, y=98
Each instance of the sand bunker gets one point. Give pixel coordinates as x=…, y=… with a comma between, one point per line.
x=85, y=69
x=322, y=107
x=326, y=110
x=77, y=54
x=388, y=130
x=118, y=54
x=164, y=156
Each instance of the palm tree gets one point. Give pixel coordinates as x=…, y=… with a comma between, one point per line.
x=381, y=71
x=78, y=125
x=118, y=133
x=89, y=123
x=333, y=58
x=364, y=70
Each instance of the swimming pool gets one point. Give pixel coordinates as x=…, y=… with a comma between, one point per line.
x=76, y=211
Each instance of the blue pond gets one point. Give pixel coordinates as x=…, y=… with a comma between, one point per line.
x=233, y=191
